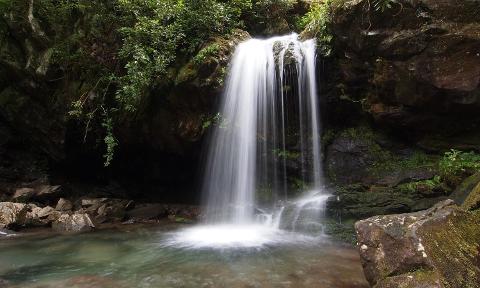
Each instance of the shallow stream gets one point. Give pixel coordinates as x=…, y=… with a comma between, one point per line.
x=148, y=257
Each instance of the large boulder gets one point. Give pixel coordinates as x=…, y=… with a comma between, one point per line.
x=438, y=247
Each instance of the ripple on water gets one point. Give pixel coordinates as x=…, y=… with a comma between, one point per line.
x=148, y=258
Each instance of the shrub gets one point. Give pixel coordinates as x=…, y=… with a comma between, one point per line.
x=317, y=21
x=455, y=162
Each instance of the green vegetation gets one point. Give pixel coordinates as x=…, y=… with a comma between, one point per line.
x=285, y=154
x=456, y=162
x=297, y=185
x=382, y=5
x=385, y=161
x=328, y=137
x=206, y=52
x=429, y=184
x=317, y=22
x=343, y=231
x=217, y=120
x=118, y=51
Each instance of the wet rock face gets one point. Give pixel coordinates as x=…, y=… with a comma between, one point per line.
x=437, y=247
x=418, y=63
x=348, y=159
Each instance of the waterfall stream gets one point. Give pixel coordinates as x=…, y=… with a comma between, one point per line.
x=269, y=119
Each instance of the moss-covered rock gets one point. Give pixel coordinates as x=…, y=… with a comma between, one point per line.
x=463, y=190
x=472, y=202
x=436, y=247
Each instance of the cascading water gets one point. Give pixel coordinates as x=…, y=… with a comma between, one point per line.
x=269, y=118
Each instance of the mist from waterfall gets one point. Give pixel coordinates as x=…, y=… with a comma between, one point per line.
x=269, y=105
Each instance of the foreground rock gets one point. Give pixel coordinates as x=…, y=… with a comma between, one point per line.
x=438, y=247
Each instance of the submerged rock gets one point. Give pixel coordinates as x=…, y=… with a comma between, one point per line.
x=438, y=247
x=76, y=222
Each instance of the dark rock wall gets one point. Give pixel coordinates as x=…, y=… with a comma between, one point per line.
x=404, y=88
x=400, y=83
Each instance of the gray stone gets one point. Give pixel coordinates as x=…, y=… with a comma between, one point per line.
x=64, y=205
x=23, y=194
x=76, y=222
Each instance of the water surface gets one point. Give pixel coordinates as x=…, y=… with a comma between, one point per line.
x=144, y=257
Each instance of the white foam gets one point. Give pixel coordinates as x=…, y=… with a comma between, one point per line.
x=232, y=236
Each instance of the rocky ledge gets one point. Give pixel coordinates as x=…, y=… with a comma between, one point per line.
x=438, y=247
x=87, y=214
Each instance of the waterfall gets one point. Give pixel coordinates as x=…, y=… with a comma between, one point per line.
x=267, y=137
x=269, y=114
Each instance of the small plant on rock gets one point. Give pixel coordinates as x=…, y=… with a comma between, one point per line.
x=457, y=163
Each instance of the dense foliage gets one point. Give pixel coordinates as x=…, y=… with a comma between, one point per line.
x=121, y=50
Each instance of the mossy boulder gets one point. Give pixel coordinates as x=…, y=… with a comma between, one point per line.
x=364, y=155
x=465, y=189
x=473, y=200
x=437, y=247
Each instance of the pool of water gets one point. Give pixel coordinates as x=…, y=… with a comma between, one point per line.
x=149, y=257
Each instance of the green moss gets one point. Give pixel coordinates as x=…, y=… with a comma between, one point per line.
x=328, y=137
x=297, y=185
x=431, y=184
x=358, y=201
x=186, y=73
x=285, y=154
x=341, y=231
x=385, y=161
x=473, y=200
x=413, y=279
x=217, y=120
x=359, y=132
x=453, y=248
